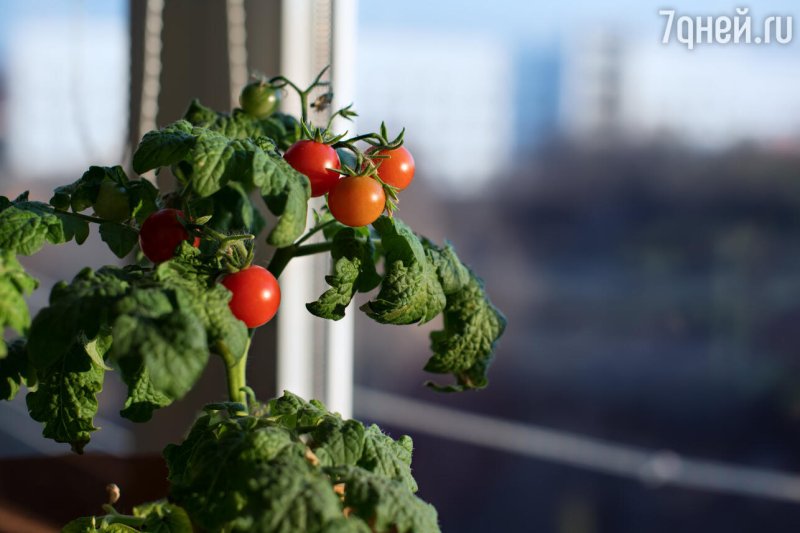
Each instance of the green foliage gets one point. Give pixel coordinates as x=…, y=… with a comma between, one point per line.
x=83, y=193
x=388, y=503
x=276, y=473
x=206, y=159
x=25, y=226
x=155, y=517
x=156, y=326
x=353, y=271
x=65, y=400
x=282, y=129
x=15, y=370
x=465, y=346
x=15, y=284
x=410, y=292
x=163, y=517
x=119, y=238
x=421, y=282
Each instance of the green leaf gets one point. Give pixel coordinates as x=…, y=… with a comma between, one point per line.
x=15, y=370
x=98, y=347
x=216, y=472
x=76, y=312
x=337, y=442
x=172, y=347
x=384, y=502
x=200, y=115
x=353, y=270
x=233, y=211
x=65, y=399
x=410, y=292
x=238, y=125
x=82, y=193
x=293, y=412
x=388, y=457
x=453, y=274
x=143, y=398
x=294, y=498
x=258, y=473
x=25, y=227
x=15, y=284
x=286, y=193
x=143, y=199
x=120, y=238
x=164, y=147
x=81, y=525
x=163, y=517
x=210, y=305
x=465, y=347
x=212, y=160
x=162, y=322
x=280, y=128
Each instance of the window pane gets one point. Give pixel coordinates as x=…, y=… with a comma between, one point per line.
x=632, y=207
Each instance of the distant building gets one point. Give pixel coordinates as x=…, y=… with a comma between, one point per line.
x=537, y=88
x=619, y=88
x=592, y=86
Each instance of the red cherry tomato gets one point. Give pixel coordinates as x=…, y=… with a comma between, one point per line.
x=397, y=169
x=315, y=161
x=161, y=233
x=256, y=295
x=357, y=200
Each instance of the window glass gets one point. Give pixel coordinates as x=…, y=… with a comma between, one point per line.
x=632, y=207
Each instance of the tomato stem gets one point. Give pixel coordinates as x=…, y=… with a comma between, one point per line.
x=115, y=517
x=236, y=370
x=315, y=248
x=87, y=218
x=282, y=256
x=313, y=231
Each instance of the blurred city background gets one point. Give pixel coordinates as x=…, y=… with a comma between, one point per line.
x=633, y=207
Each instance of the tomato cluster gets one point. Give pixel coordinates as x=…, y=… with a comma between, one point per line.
x=353, y=200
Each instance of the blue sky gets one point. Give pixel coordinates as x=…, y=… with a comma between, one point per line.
x=531, y=21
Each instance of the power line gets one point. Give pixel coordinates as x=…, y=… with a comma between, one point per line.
x=652, y=467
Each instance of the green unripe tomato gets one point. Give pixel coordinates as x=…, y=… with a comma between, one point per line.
x=112, y=202
x=259, y=99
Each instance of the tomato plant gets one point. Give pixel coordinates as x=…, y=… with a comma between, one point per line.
x=357, y=200
x=395, y=167
x=316, y=160
x=259, y=99
x=286, y=464
x=256, y=295
x=161, y=234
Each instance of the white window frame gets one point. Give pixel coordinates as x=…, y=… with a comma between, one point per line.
x=316, y=369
